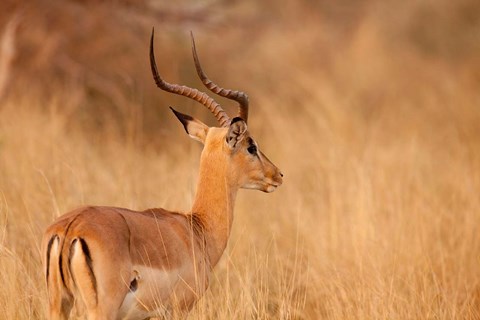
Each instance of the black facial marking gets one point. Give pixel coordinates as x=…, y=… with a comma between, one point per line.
x=252, y=149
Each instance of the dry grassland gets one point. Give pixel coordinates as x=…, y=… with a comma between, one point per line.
x=371, y=109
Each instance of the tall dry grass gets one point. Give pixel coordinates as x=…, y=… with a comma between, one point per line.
x=371, y=109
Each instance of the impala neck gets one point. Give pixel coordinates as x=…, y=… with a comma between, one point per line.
x=214, y=203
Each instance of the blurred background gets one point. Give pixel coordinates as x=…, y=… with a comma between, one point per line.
x=370, y=108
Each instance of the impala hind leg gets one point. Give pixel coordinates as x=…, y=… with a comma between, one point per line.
x=60, y=309
x=98, y=281
x=60, y=300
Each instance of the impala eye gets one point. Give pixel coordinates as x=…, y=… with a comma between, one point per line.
x=252, y=149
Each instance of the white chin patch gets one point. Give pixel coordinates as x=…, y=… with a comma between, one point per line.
x=268, y=189
x=252, y=186
x=271, y=188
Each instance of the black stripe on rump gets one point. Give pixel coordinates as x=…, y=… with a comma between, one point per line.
x=60, y=260
x=70, y=254
x=88, y=260
x=49, y=248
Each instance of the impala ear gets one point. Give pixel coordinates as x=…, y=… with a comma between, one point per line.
x=236, y=132
x=195, y=128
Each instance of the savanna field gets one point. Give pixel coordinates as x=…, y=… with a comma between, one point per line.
x=370, y=108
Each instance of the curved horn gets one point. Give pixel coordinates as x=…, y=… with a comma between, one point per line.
x=239, y=96
x=194, y=94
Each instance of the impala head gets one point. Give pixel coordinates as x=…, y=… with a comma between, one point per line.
x=229, y=146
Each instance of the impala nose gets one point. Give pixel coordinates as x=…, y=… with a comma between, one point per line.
x=279, y=178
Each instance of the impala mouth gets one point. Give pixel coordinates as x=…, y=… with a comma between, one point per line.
x=272, y=187
x=265, y=186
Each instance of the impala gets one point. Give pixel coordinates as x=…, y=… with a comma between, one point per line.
x=118, y=263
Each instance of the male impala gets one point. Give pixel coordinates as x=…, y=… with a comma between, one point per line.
x=122, y=264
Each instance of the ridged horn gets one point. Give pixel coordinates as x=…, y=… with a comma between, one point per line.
x=191, y=93
x=239, y=96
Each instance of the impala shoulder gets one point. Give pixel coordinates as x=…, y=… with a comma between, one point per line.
x=156, y=212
